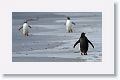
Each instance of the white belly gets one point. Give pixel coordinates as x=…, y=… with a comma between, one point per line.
x=25, y=28
x=25, y=31
x=69, y=26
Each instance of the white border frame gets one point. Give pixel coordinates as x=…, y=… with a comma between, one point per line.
x=104, y=67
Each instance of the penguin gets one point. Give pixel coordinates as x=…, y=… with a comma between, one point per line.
x=24, y=28
x=83, y=44
x=69, y=25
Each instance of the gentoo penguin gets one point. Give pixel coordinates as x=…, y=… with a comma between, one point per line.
x=24, y=28
x=83, y=44
x=69, y=25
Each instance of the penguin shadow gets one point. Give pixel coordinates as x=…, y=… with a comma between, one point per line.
x=29, y=35
x=23, y=35
x=77, y=52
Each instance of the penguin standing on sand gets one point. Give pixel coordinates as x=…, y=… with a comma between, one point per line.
x=69, y=25
x=24, y=28
x=83, y=44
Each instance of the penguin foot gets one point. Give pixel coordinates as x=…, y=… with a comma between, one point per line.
x=81, y=54
x=85, y=53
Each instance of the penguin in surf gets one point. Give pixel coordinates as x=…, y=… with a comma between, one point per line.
x=69, y=25
x=25, y=29
x=83, y=44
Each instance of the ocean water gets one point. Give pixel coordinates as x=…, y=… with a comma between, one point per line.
x=49, y=41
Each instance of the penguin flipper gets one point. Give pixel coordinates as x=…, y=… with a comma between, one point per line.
x=76, y=43
x=73, y=23
x=20, y=27
x=91, y=43
x=29, y=26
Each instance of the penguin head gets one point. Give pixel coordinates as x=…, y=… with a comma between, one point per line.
x=68, y=18
x=82, y=34
x=25, y=22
